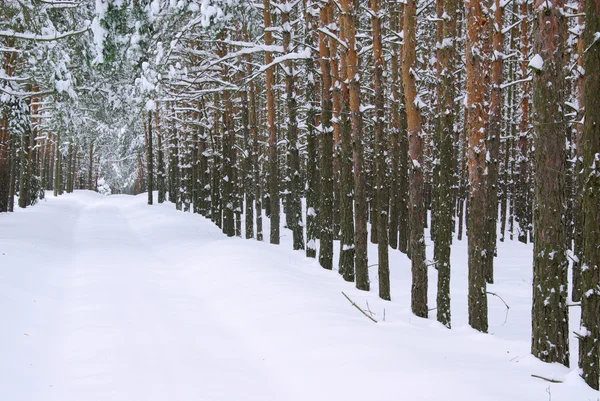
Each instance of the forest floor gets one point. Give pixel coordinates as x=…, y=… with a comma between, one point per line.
x=108, y=299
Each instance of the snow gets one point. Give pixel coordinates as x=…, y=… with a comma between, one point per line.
x=537, y=63
x=105, y=298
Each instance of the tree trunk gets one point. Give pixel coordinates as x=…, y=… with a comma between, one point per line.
x=446, y=61
x=380, y=157
x=360, y=196
x=326, y=166
x=24, y=169
x=550, y=335
x=90, y=183
x=522, y=196
x=160, y=154
x=150, y=161
x=493, y=137
x=477, y=34
x=347, y=246
x=578, y=192
x=293, y=180
x=273, y=161
x=589, y=346
x=312, y=173
x=416, y=210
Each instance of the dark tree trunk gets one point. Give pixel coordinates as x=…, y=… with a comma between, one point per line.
x=326, y=161
x=24, y=170
x=13, y=175
x=589, y=346
x=160, y=168
x=57, y=169
x=578, y=191
x=493, y=138
x=294, y=182
x=273, y=154
x=416, y=210
x=550, y=335
x=150, y=161
x=360, y=196
x=90, y=183
x=312, y=173
x=446, y=56
x=522, y=191
x=380, y=158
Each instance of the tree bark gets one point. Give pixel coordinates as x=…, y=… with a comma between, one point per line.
x=550, y=336
x=446, y=61
x=380, y=156
x=326, y=162
x=293, y=180
x=477, y=34
x=360, y=198
x=416, y=210
x=589, y=346
x=150, y=161
x=273, y=161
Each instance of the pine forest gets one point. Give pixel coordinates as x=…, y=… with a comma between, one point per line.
x=452, y=145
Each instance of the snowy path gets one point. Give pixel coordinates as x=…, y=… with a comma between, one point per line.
x=105, y=299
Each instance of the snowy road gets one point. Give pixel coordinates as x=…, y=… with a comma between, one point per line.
x=107, y=299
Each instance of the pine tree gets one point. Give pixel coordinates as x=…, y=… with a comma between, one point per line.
x=550, y=336
x=477, y=27
x=416, y=209
x=272, y=129
x=360, y=199
x=446, y=61
x=326, y=161
x=589, y=336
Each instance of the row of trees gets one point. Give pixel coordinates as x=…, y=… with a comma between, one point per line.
x=386, y=118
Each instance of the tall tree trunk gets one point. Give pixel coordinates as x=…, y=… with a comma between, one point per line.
x=360, y=197
x=336, y=108
x=161, y=182
x=477, y=34
x=347, y=246
x=589, y=346
x=150, y=161
x=8, y=65
x=493, y=136
x=312, y=173
x=522, y=196
x=248, y=179
x=293, y=180
x=13, y=175
x=326, y=166
x=90, y=183
x=550, y=334
x=228, y=179
x=273, y=160
x=380, y=157
x=254, y=133
x=403, y=183
x=446, y=61
x=57, y=169
x=416, y=210
x=24, y=169
x=578, y=192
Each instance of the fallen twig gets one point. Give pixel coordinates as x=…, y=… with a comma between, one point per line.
x=358, y=307
x=545, y=378
x=505, y=304
x=369, y=309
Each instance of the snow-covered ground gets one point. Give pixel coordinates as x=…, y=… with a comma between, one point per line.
x=108, y=299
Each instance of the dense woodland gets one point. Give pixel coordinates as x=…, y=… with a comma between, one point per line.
x=349, y=120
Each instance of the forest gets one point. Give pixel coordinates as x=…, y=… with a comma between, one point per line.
x=345, y=123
